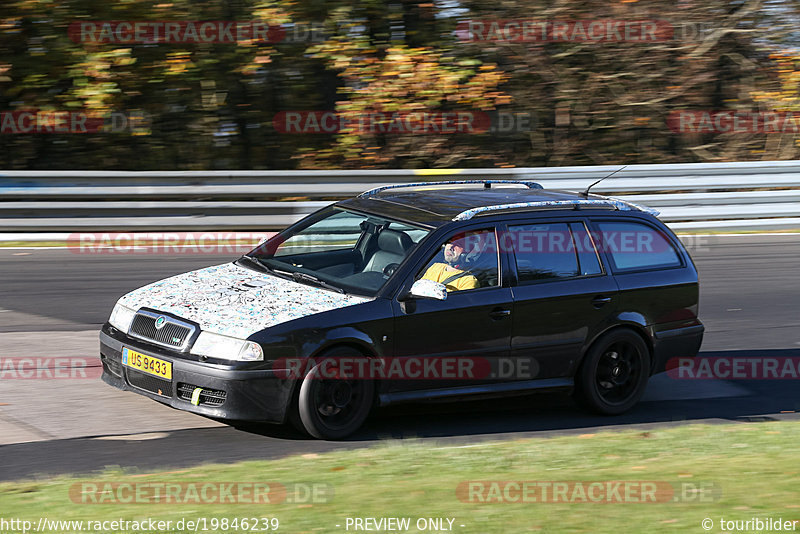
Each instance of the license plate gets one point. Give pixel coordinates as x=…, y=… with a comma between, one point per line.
x=146, y=364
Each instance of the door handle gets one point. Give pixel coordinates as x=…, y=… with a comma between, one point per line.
x=499, y=313
x=600, y=301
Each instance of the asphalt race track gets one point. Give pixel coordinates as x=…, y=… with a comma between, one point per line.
x=53, y=301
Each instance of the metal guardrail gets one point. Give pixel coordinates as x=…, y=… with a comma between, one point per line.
x=690, y=197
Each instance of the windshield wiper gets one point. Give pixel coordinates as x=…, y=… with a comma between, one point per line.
x=310, y=278
x=256, y=264
x=294, y=275
x=250, y=261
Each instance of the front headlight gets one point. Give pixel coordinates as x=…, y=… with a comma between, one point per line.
x=226, y=348
x=121, y=317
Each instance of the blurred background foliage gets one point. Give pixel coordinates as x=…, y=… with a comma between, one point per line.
x=211, y=105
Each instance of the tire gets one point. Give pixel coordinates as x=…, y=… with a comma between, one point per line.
x=614, y=373
x=332, y=408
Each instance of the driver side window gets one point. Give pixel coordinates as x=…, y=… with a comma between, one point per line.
x=464, y=261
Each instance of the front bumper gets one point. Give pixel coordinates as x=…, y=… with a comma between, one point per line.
x=243, y=395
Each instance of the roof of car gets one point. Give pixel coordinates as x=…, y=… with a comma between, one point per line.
x=436, y=203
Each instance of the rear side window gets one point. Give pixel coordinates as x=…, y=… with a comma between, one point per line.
x=587, y=253
x=543, y=251
x=634, y=246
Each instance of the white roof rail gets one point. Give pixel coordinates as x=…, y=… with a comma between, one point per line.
x=486, y=183
x=608, y=202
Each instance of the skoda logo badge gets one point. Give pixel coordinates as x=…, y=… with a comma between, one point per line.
x=160, y=322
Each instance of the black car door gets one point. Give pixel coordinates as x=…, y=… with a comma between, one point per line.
x=472, y=325
x=562, y=297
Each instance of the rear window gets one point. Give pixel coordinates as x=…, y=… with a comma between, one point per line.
x=634, y=246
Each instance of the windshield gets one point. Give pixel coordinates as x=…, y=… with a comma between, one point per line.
x=351, y=251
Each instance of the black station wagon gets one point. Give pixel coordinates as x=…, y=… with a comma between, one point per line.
x=416, y=292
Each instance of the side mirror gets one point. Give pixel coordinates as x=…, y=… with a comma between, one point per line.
x=428, y=289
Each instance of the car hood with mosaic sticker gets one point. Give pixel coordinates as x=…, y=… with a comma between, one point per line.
x=234, y=301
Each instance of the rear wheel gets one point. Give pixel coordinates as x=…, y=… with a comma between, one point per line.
x=329, y=407
x=614, y=373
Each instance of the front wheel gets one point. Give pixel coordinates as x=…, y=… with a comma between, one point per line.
x=331, y=407
x=614, y=373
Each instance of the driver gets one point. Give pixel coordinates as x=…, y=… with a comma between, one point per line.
x=452, y=273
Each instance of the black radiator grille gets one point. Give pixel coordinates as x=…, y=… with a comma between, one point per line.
x=171, y=334
x=149, y=383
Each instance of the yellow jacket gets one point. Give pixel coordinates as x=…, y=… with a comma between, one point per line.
x=439, y=272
